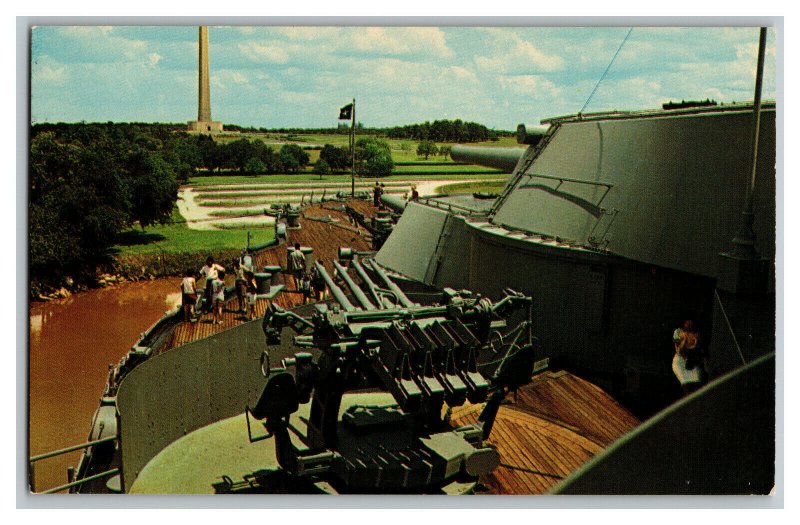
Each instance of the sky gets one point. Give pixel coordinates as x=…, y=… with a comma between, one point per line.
x=298, y=76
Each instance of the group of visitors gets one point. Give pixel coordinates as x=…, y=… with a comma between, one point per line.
x=214, y=292
x=310, y=283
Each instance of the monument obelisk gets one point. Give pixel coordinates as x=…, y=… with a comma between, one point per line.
x=204, y=124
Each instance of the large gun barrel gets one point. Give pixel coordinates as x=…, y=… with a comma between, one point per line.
x=501, y=158
x=395, y=202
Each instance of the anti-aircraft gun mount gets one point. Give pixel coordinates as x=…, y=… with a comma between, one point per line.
x=425, y=357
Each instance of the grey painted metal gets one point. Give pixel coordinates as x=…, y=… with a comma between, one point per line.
x=403, y=298
x=501, y=158
x=453, y=265
x=678, y=186
x=395, y=202
x=177, y=392
x=525, y=162
x=529, y=134
x=732, y=421
x=600, y=313
x=357, y=292
x=438, y=254
x=381, y=301
x=412, y=244
x=337, y=292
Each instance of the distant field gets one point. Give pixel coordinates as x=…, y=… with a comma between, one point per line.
x=178, y=238
x=403, y=150
x=471, y=187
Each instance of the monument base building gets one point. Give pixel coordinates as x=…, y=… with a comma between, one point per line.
x=209, y=126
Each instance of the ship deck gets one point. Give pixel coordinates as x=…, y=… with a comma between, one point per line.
x=547, y=430
x=325, y=227
x=543, y=432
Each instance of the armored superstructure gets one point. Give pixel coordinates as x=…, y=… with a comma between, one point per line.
x=621, y=225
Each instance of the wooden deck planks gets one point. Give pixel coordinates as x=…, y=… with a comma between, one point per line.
x=558, y=422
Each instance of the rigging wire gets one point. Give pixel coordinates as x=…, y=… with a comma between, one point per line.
x=606, y=71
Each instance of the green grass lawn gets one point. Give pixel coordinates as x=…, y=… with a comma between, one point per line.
x=471, y=187
x=178, y=238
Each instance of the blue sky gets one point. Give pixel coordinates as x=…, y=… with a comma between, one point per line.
x=300, y=76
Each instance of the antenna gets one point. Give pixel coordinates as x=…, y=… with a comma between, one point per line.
x=606, y=71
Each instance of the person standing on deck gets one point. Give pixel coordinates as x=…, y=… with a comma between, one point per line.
x=218, y=290
x=241, y=284
x=306, y=285
x=687, y=363
x=376, y=195
x=209, y=271
x=297, y=262
x=246, y=260
x=252, y=291
x=188, y=295
x=318, y=283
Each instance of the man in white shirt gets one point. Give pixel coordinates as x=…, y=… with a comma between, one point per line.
x=210, y=271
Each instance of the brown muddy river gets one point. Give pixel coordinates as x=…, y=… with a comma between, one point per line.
x=72, y=342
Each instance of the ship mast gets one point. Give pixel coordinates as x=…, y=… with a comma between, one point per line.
x=743, y=269
x=744, y=242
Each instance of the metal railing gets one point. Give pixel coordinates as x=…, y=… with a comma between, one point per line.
x=33, y=459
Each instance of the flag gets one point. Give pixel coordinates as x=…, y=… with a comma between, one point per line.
x=346, y=112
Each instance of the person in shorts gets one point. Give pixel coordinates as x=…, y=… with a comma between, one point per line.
x=209, y=271
x=241, y=284
x=218, y=291
x=188, y=295
x=306, y=287
x=318, y=283
x=297, y=263
x=252, y=292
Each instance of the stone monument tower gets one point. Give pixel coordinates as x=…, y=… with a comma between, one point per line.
x=204, y=124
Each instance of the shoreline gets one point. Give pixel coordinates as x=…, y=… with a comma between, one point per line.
x=122, y=270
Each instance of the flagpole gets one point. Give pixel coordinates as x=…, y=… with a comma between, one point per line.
x=353, y=150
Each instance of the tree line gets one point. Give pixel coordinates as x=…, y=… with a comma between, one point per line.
x=87, y=183
x=437, y=131
x=444, y=131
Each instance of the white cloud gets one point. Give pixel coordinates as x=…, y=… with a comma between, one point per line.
x=48, y=73
x=532, y=86
x=238, y=78
x=513, y=54
x=462, y=74
x=264, y=52
x=154, y=59
x=401, y=41
x=299, y=98
x=309, y=33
